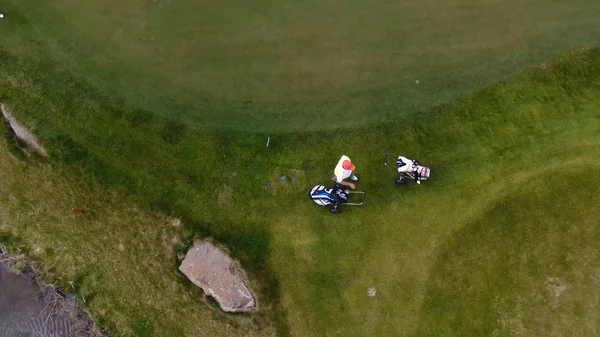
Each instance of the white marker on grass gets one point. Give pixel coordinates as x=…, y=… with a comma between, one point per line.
x=1, y=16
x=268, y=140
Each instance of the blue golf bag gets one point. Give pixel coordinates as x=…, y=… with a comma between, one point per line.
x=333, y=197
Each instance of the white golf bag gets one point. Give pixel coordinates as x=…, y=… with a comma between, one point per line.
x=409, y=169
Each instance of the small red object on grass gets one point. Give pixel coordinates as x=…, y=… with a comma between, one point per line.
x=77, y=210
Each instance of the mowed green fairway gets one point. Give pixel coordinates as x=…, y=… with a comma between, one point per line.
x=163, y=108
x=288, y=66
x=504, y=239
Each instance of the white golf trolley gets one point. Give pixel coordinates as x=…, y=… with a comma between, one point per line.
x=414, y=171
x=335, y=197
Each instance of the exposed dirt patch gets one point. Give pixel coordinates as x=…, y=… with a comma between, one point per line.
x=226, y=193
x=232, y=177
x=225, y=196
x=546, y=64
x=555, y=286
x=174, y=222
x=171, y=236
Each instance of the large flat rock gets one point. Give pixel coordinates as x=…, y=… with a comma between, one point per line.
x=211, y=269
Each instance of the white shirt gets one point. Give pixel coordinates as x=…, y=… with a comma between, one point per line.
x=340, y=173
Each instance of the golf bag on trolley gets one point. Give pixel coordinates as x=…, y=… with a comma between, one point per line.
x=408, y=170
x=334, y=197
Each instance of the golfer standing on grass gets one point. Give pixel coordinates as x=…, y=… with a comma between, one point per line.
x=343, y=171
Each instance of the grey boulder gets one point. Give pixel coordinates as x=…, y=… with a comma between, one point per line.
x=213, y=270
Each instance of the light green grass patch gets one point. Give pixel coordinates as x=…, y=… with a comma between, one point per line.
x=526, y=267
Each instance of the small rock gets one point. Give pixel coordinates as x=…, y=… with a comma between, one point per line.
x=371, y=292
x=282, y=179
x=293, y=179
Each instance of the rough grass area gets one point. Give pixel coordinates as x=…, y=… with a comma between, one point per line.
x=119, y=259
x=502, y=240
x=289, y=66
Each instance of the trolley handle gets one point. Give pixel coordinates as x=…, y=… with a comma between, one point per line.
x=362, y=199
